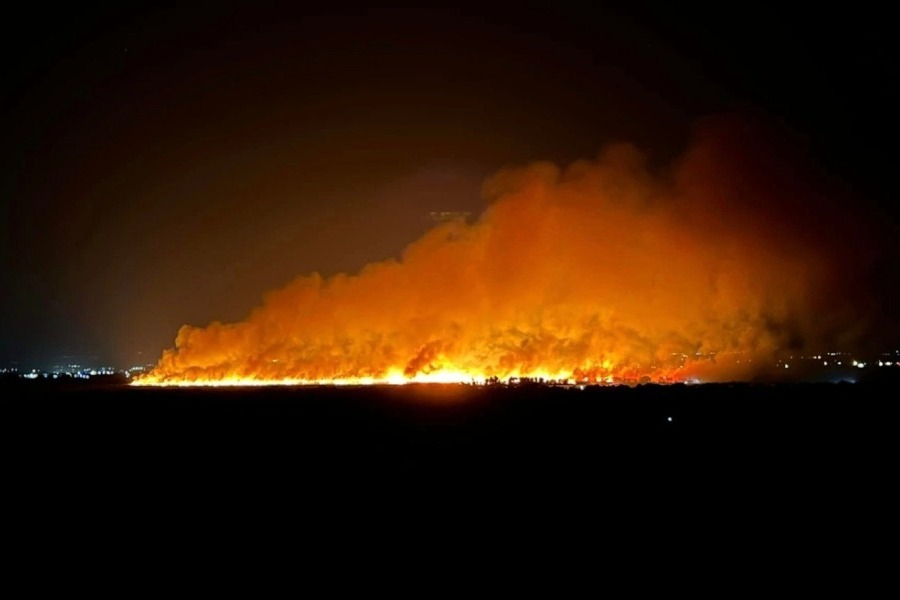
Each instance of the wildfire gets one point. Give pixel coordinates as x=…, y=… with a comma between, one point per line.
x=604, y=269
x=394, y=378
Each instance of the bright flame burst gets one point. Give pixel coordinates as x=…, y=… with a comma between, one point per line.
x=393, y=378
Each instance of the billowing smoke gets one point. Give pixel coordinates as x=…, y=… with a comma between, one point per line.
x=602, y=268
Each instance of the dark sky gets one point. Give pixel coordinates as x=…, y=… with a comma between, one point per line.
x=168, y=165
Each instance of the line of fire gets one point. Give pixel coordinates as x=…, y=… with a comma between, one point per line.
x=723, y=266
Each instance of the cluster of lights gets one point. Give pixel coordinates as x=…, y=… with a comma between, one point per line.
x=889, y=359
x=69, y=371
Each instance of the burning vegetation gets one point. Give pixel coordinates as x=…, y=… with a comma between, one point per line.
x=606, y=268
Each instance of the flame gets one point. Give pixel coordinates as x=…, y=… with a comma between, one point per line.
x=600, y=271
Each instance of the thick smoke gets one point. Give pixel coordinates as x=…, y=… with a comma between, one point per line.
x=603, y=268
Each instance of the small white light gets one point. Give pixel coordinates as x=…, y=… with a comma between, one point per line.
x=669, y=419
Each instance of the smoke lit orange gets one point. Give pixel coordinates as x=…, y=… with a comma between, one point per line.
x=603, y=269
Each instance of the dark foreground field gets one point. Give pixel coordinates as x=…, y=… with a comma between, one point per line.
x=788, y=431
x=816, y=451
x=780, y=472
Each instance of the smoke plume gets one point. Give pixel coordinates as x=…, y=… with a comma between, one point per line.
x=602, y=268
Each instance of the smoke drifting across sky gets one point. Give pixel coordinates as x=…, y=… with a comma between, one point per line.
x=164, y=165
x=603, y=267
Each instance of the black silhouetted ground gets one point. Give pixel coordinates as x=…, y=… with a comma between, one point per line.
x=737, y=454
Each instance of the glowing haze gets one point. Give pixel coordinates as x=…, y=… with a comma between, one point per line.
x=598, y=269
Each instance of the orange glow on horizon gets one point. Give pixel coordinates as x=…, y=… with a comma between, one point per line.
x=597, y=272
x=441, y=377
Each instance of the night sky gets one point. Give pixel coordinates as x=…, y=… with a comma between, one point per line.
x=163, y=166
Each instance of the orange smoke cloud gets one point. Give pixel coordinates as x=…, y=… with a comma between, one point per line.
x=604, y=268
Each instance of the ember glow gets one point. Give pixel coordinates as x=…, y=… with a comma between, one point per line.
x=600, y=270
